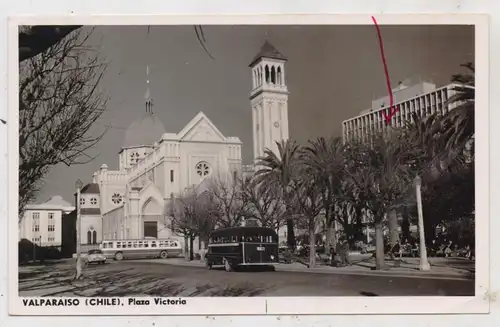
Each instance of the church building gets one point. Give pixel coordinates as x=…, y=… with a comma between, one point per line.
x=155, y=166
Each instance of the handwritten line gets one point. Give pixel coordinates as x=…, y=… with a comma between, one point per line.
x=392, y=109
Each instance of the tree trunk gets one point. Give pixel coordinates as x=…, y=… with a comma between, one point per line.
x=330, y=236
x=186, y=247
x=290, y=233
x=405, y=225
x=191, y=249
x=392, y=218
x=379, y=246
x=312, y=248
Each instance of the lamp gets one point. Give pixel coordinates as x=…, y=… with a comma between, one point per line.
x=78, y=184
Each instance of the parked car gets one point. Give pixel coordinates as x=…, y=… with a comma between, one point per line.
x=96, y=256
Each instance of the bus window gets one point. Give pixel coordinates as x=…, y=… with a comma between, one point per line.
x=140, y=244
x=129, y=244
x=134, y=244
x=146, y=244
x=104, y=245
x=153, y=244
x=118, y=245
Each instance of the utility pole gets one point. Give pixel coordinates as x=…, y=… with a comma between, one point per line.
x=78, y=185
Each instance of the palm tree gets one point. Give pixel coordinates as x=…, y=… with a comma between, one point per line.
x=277, y=170
x=325, y=160
x=379, y=174
x=459, y=122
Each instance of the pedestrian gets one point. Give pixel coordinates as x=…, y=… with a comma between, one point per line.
x=345, y=257
x=339, y=251
x=396, y=250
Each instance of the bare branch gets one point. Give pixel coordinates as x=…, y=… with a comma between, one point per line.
x=59, y=102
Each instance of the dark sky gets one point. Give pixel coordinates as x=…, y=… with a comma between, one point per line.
x=333, y=73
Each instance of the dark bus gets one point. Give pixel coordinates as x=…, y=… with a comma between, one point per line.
x=242, y=246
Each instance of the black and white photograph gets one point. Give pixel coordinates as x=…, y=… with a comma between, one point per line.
x=276, y=161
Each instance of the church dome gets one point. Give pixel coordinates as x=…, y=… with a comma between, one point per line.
x=147, y=130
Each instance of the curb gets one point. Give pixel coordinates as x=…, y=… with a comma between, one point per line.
x=320, y=270
x=380, y=273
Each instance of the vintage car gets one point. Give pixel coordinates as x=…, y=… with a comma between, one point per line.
x=96, y=256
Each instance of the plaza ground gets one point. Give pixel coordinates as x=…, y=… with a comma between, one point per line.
x=178, y=277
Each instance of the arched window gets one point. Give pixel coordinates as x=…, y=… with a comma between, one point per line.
x=89, y=237
x=267, y=74
x=94, y=237
x=273, y=75
x=280, y=82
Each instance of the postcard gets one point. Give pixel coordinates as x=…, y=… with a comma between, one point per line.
x=259, y=165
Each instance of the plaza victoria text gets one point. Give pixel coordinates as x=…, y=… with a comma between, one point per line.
x=51, y=302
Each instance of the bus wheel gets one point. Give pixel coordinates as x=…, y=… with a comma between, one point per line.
x=119, y=256
x=227, y=265
x=163, y=254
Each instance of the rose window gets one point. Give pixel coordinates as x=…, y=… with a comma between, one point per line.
x=82, y=201
x=202, y=169
x=134, y=157
x=93, y=201
x=116, y=198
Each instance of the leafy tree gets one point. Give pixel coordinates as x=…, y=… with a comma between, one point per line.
x=59, y=101
x=191, y=215
x=265, y=204
x=228, y=197
x=277, y=170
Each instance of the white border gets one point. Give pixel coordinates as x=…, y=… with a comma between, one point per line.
x=269, y=305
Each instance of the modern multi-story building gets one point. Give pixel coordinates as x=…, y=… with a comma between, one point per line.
x=42, y=223
x=423, y=99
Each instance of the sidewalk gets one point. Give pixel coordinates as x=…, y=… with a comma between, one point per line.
x=408, y=269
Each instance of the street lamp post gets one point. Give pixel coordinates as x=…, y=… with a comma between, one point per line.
x=78, y=186
x=424, y=263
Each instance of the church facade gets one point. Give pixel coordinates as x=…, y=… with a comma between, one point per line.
x=155, y=166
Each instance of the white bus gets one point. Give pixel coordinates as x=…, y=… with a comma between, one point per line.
x=145, y=248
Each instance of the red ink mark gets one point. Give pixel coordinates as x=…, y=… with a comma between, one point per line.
x=392, y=109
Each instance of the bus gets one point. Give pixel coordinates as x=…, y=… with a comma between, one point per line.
x=144, y=248
x=242, y=246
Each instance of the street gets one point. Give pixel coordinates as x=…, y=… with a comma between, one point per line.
x=135, y=278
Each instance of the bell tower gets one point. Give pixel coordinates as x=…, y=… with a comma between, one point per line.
x=269, y=100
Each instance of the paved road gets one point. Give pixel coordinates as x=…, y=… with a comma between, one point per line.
x=146, y=278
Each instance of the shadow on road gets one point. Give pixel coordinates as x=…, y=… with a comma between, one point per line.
x=114, y=281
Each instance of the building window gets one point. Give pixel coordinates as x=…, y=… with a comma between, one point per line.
x=93, y=201
x=51, y=239
x=202, y=168
x=172, y=175
x=91, y=236
x=116, y=198
x=36, y=222
x=134, y=157
x=82, y=201
x=36, y=240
